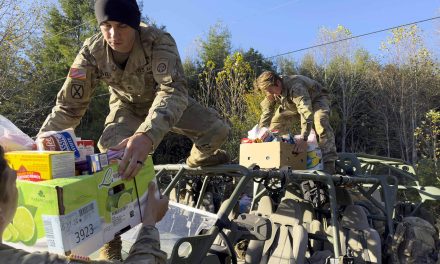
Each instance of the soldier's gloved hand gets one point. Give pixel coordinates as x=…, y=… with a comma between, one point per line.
x=136, y=151
x=300, y=146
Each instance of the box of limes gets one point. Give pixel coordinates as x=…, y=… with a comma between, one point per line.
x=120, y=200
x=58, y=214
x=77, y=215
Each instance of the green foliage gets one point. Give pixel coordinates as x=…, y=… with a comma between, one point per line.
x=253, y=100
x=405, y=46
x=191, y=71
x=225, y=82
x=337, y=49
x=217, y=45
x=428, y=145
x=19, y=22
x=225, y=91
x=427, y=172
x=240, y=126
x=408, y=87
x=428, y=135
x=257, y=61
x=286, y=66
x=65, y=29
x=309, y=67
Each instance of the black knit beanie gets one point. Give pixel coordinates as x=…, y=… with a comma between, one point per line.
x=123, y=11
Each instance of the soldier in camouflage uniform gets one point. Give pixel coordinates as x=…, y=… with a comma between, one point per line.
x=146, y=249
x=301, y=98
x=148, y=94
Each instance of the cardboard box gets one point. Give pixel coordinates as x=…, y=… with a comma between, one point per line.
x=85, y=147
x=41, y=165
x=120, y=202
x=77, y=215
x=97, y=162
x=58, y=215
x=272, y=155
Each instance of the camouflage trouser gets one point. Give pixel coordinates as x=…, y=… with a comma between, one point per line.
x=202, y=125
x=283, y=120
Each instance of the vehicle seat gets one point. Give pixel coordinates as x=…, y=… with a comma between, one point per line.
x=288, y=243
x=357, y=237
x=255, y=248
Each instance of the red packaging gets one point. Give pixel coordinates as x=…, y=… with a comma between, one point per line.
x=246, y=141
x=86, y=147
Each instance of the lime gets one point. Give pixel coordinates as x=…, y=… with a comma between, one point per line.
x=124, y=200
x=24, y=223
x=7, y=234
x=13, y=232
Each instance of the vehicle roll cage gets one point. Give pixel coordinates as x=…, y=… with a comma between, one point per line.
x=387, y=183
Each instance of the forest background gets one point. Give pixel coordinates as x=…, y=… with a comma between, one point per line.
x=388, y=106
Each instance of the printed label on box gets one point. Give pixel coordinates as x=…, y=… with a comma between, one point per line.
x=72, y=229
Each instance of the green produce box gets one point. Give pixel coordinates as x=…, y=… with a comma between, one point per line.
x=120, y=201
x=77, y=215
x=58, y=214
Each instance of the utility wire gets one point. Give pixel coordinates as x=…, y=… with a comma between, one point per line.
x=333, y=42
x=72, y=28
x=289, y=52
x=353, y=37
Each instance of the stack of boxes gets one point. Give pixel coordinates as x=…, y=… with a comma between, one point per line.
x=68, y=214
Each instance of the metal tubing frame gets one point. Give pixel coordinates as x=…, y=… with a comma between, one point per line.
x=334, y=216
x=202, y=192
x=174, y=181
x=247, y=175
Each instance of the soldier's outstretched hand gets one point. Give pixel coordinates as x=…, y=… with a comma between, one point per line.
x=137, y=148
x=155, y=207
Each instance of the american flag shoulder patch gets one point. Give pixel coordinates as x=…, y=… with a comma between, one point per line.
x=76, y=73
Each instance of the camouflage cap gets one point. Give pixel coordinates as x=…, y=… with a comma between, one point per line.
x=265, y=80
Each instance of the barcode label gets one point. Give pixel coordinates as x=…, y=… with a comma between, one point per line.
x=54, y=237
x=85, y=210
x=48, y=228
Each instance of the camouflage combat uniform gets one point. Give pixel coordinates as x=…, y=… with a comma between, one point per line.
x=146, y=249
x=305, y=99
x=149, y=95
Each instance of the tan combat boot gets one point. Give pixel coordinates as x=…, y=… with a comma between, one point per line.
x=112, y=250
x=218, y=157
x=329, y=167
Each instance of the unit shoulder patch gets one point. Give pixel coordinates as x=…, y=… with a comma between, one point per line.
x=161, y=66
x=77, y=91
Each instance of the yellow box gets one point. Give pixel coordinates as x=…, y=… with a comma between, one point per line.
x=42, y=165
x=269, y=155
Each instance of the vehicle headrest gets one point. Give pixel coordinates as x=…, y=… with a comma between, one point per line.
x=288, y=213
x=354, y=217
